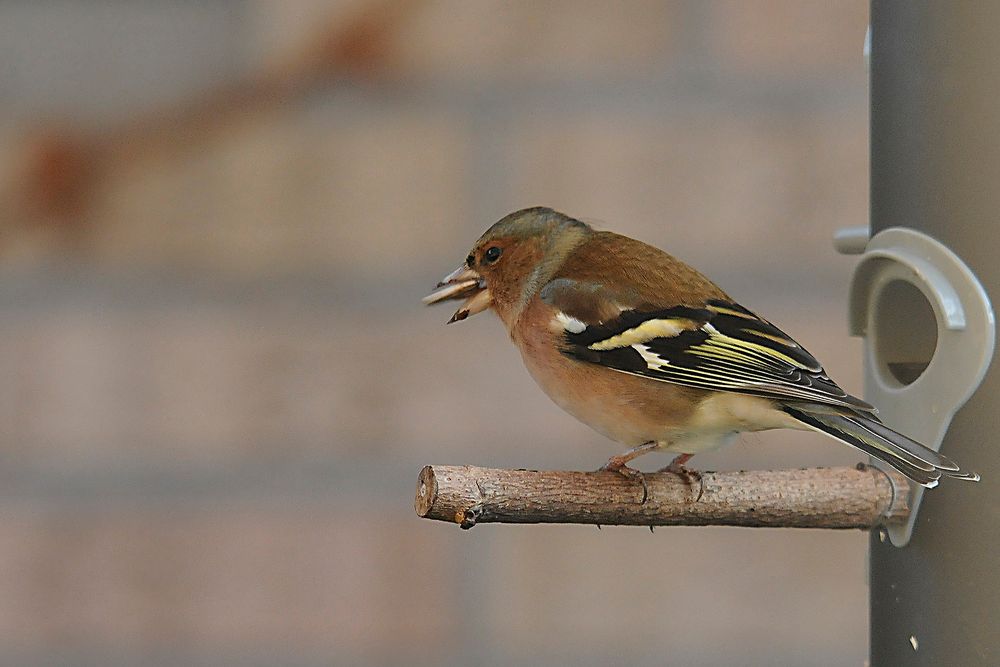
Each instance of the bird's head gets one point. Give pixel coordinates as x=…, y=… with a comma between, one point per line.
x=510, y=262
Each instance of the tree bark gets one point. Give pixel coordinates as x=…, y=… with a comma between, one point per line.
x=860, y=498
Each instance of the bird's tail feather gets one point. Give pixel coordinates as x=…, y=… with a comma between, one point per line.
x=921, y=464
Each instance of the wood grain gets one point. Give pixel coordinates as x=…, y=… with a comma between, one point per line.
x=860, y=498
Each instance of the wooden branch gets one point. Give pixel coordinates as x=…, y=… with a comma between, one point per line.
x=861, y=497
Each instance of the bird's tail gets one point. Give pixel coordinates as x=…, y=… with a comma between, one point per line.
x=921, y=464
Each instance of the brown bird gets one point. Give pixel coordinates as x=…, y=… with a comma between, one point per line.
x=652, y=354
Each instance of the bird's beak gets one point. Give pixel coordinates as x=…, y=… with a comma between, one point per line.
x=462, y=283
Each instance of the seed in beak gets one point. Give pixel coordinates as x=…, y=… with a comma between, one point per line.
x=477, y=304
x=462, y=283
x=448, y=291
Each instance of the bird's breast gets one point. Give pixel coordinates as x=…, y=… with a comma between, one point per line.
x=626, y=408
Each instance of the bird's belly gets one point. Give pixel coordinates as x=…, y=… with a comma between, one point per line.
x=721, y=415
x=625, y=408
x=633, y=410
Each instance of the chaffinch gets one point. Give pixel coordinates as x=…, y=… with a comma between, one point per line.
x=650, y=353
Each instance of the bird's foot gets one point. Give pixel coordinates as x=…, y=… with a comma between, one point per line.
x=619, y=465
x=678, y=468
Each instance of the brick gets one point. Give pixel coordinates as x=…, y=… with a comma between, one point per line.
x=745, y=193
x=204, y=387
x=627, y=596
x=308, y=580
x=277, y=30
x=380, y=193
x=375, y=188
x=110, y=61
x=396, y=198
x=525, y=40
x=786, y=38
x=304, y=579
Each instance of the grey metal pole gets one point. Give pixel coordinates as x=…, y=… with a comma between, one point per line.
x=935, y=167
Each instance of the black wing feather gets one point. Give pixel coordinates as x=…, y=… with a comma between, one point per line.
x=722, y=347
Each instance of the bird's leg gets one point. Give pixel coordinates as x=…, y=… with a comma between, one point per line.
x=678, y=468
x=619, y=464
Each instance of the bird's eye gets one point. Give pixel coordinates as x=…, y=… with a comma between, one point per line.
x=470, y=261
x=492, y=254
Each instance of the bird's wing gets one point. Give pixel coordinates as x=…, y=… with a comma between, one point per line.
x=718, y=345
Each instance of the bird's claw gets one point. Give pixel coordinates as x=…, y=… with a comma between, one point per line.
x=686, y=474
x=614, y=464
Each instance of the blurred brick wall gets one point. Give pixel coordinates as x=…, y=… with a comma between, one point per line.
x=216, y=406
